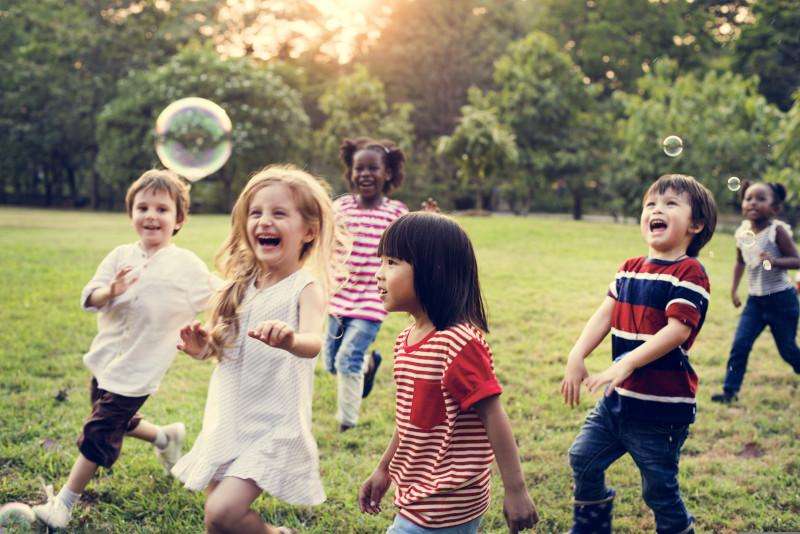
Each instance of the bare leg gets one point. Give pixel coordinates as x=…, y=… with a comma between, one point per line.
x=228, y=508
x=145, y=431
x=82, y=472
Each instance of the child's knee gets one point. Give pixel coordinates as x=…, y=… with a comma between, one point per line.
x=221, y=516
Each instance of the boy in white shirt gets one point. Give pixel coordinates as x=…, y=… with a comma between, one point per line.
x=145, y=292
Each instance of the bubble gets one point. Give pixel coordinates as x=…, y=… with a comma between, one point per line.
x=193, y=137
x=748, y=239
x=673, y=146
x=734, y=183
x=767, y=265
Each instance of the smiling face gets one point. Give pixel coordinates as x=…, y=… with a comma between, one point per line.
x=153, y=215
x=369, y=174
x=276, y=230
x=396, y=285
x=758, y=204
x=666, y=224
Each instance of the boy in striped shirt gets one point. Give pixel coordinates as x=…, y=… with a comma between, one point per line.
x=654, y=309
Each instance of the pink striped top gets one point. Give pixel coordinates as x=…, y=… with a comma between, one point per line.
x=442, y=463
x=358, y=297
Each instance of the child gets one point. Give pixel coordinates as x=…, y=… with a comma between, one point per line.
x=266, y=330
x=765, y=247
x=450, y=421
x=145, y=292
x=654, y=309
x=373, y=170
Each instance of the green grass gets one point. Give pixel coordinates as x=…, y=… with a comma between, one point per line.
x=542, y=279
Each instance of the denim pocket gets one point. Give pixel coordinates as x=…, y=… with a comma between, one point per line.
x=427, y=405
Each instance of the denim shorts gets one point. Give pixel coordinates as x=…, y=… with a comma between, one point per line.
x=402, y=525
x=346, y=342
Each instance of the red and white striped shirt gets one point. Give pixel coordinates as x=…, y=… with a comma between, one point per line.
x=358, y=297
x=442, y=464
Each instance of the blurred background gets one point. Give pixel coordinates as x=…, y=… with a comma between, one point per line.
x=499, y=105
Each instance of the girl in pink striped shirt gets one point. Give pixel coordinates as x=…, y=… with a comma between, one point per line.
x=372, y=170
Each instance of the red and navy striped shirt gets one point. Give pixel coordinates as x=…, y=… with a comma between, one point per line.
x=647, y=293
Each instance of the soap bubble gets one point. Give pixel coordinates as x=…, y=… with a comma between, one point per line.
x=767, y=265
x=734, y=183
x=673, y=146
x=193, y=137
x=748, y=239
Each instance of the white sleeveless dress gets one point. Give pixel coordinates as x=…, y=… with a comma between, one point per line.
x=257, y=421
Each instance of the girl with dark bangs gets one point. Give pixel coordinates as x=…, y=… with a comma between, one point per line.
x=450, y=423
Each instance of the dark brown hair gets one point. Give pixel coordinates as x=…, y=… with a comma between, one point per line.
x=704, y=209
x=445, y=269
x=391, y=155
x=778, y=191
x=161, y=180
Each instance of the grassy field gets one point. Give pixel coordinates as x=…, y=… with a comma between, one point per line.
x=740, y=469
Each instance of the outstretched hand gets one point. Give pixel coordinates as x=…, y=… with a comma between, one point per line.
x=121, y=283
x=613, y=376
x=194, y=340
x=275, y=334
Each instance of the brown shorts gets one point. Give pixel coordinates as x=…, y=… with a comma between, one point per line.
x=112, y=417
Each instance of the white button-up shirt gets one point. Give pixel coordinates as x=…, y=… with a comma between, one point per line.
x=138, y=330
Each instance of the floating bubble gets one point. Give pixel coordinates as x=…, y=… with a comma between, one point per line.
x=673, y=146
x=767, y=265
x=748, y=239
x=193, y=137
x=734, y=183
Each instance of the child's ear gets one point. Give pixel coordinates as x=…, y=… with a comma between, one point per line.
x=696, y=227
x=310, y=235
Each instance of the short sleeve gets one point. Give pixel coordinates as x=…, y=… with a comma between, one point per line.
x=689, y=296
x=613, y=292
x=104, y=275
x=469, y=378
x=202, y=285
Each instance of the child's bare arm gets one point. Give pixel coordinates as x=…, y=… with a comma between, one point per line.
x=518, y=508
x=306, y=342
x=666, y=339
x=738, y=271
x=790, y=258
x=593, y=333
x=374, y=488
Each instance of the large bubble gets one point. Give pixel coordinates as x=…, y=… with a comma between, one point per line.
x=193, y=137
x=673, y=146
x=734, y=183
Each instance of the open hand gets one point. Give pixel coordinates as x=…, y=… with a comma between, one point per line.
x=373, y=490
x=519, y=511
x=121, y=283
x=275, y=334
x=613, y=376
x=574, y=375
x=194, y=340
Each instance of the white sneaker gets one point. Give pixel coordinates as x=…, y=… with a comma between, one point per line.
x=169, y=455
x=53, y=513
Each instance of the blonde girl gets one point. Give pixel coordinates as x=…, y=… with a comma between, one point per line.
x=265, y=330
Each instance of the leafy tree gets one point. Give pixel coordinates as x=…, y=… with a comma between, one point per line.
x=770, y=48
x=356, y=106
x=541, y=96
x=269, y=124
x=480, y=147
x=726, y=126
x=786, y=155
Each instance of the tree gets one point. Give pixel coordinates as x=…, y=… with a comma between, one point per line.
x=786, y=159
x=356, y=106
x=480, y=147
x=726, y=126
x=541, y=96
x=770, y=48
x=269, y=124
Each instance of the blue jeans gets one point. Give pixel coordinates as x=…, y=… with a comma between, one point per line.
x=654, y=447
x=346, y=343
x=780, y=311
x=402, y=525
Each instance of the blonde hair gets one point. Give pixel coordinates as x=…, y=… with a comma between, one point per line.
x=161, y=180
x=325, y=255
